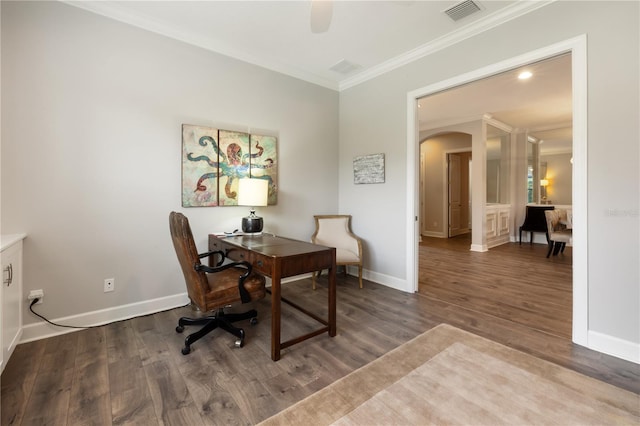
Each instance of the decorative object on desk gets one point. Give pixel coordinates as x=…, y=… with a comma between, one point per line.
x=477, y=381
x=368, y=169
x=335, y=231
x=252, y=193
x=213, y=288
x=213, y=161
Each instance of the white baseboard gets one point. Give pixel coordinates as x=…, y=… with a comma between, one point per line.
x=386, y=280
x=435, y=234
x=614, y=346
x=600, y=342
x=42, y=330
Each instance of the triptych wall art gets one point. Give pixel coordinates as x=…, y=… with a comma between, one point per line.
x=213, y=160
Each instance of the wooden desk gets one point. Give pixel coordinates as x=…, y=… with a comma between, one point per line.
x=279, y=257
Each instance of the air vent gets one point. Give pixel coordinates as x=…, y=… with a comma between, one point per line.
x=344, y=67
x=462, y=10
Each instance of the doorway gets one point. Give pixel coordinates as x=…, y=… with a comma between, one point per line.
x=459, y=193
x=577, y=48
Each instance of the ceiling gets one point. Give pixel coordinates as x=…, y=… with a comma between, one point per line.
x=368, y=38
x=375, y=36
x=541, y=105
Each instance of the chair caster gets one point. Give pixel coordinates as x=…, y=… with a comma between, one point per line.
x=179, y=329
x=186, y=350
x=253, y=321
x=240, y=341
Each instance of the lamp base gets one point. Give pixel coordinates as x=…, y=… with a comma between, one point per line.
x=252, y=224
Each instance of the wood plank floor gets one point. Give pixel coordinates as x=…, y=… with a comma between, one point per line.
x=512, y=281
x=132, y=372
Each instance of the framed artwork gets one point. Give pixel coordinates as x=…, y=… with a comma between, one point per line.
x=368, y=169
x=264, y=163
x=213, y=160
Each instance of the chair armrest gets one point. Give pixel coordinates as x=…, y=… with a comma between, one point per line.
x=245, y=297
x=354, y=244
x=223, y=256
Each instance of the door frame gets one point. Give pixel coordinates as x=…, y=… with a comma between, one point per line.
x=577, y=46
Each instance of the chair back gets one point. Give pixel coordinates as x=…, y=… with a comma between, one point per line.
x=534, y=219
x=335, y=231
x=553, y=218
x=196, y=281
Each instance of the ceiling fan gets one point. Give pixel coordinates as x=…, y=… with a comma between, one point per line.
x=321, y=13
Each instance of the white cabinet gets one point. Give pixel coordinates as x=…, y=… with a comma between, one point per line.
x=498, y=220
x=11, y=295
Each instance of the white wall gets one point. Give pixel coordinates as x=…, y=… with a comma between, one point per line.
x=559, y=177
x=373, y=118
x=91, y=151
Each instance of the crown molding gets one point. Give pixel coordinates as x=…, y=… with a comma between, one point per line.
x=493, y=20
x=119, y=13
x=122, y=14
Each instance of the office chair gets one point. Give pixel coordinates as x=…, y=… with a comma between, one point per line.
x=213, y=288
x=335, y=231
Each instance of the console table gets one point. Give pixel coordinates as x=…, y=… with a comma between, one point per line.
x=277, y=258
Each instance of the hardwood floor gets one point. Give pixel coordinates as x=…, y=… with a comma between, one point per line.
x=132, y=372
x=513, y=282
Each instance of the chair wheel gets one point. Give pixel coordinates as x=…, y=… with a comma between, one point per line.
x=239, y=343
x=253, y=321
x=186, y=350
x=179, y=329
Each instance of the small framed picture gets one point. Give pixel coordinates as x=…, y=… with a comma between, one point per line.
x=368, y=169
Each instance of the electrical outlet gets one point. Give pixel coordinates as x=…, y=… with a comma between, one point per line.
x=109, y=284
x=36, y=294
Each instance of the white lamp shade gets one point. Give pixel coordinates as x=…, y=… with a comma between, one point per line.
x=253, y=192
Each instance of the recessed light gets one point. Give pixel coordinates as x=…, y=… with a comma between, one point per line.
x=525, y=75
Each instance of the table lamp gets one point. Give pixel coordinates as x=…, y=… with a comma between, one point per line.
x=252, y=193
x=544, y=183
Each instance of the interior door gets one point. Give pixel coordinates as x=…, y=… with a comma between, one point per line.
x=455, y=203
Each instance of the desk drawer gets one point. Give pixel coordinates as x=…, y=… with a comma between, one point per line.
x=260, y=263
x=235, y=253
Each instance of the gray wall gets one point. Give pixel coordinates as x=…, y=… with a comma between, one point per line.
x=91, y=151
x=373, y=118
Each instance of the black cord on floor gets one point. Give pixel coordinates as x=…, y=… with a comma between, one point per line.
x=34, y=301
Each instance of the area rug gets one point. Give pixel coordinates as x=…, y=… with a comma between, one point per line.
x=450, y=376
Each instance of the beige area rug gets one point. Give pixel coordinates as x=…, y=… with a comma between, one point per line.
x=450, y=376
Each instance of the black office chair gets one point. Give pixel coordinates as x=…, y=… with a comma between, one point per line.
x=213, y=288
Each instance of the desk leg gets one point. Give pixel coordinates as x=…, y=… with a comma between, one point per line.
x=276, y=310
x=332, y=300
